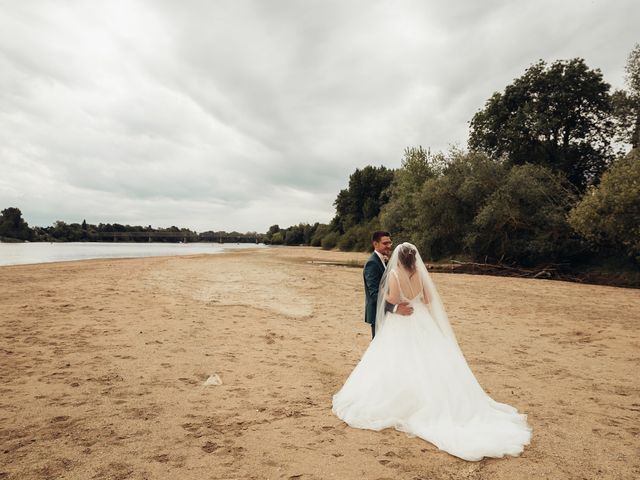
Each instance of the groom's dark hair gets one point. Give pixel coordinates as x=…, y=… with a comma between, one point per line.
x=378, y=235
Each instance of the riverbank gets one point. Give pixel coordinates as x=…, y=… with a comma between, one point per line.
x=45, y=252
x=103, y=363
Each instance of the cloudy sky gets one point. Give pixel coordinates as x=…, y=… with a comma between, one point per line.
x=236, y=114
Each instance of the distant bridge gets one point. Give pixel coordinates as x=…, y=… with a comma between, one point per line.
x=183, y=236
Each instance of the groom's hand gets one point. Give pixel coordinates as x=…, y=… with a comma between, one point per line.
x=404, y=309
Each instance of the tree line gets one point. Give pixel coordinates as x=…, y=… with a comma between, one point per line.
x=14, y=228
x=551, y=173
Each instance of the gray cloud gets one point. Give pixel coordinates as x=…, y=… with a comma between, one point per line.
x=240, y=114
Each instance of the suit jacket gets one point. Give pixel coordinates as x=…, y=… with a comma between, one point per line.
x=373, y=271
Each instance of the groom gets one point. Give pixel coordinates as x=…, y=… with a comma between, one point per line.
x=373, y=271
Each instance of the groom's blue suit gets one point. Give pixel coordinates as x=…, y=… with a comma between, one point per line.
x=373, y=271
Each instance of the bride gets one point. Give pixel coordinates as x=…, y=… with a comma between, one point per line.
x=413, y=376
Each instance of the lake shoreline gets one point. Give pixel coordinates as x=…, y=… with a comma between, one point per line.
x=36, y=253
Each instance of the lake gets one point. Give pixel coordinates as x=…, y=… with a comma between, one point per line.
x=44, y=252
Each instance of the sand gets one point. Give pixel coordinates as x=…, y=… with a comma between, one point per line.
x=103, y=365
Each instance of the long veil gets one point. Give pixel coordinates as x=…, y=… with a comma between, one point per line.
x=435, y=306
x=414, y=377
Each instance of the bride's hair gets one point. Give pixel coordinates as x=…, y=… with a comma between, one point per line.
x=407, y=257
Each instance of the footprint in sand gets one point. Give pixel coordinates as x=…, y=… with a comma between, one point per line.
x=162, y=458
x=61, y=418
x=114, y=470
x=210, y=447
x=188, y=381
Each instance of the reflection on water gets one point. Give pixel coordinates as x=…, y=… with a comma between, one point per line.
x=42, y=252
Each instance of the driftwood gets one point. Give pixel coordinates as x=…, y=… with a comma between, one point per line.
x=550, y=271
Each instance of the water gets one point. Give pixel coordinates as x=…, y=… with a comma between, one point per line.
x=44, y=252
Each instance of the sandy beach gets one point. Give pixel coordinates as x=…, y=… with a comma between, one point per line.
x=103, y=364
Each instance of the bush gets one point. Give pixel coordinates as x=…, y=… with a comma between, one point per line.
x=294, y=236
x=357, y=238
x=447, y=204
x=609, y=215
x=524, y=219
x=400, y=214
x=277, y=238
x=330, y=241
x=321, y=231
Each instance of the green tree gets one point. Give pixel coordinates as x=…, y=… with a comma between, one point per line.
x=308, y=231
x=60, y=231
x=363, y=199
x=400, y=214
x=609, y=215
x=85, y=233
x=633, y=81
x=626, y=103
x=358, y=237
x=294, y=235
x=524, y=219
x=277, y=238
x=558, y=116
x=330, y=240
x=446, y=204
x=273, y=229
x=12, y=225
x=320, y=232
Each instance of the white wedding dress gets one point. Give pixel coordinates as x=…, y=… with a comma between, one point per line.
x=413, y=377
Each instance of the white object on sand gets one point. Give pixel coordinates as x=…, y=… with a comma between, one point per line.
x=213, y=380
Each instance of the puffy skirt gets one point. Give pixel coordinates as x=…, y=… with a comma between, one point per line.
x=416, y=380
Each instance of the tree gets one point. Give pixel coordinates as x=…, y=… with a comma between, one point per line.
x=329, y=241
x=85, y=234
x=626, y=104
x=609, y=215
x=358, y=237
x=524, y=218
x=277, y=238
x=320, y=232
x=273, y=229
x=363, y=199
x=446, y=204
x=558, y=116
x=400, y=214
x=12, y=225
x=633, y=81
x=294, y=235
